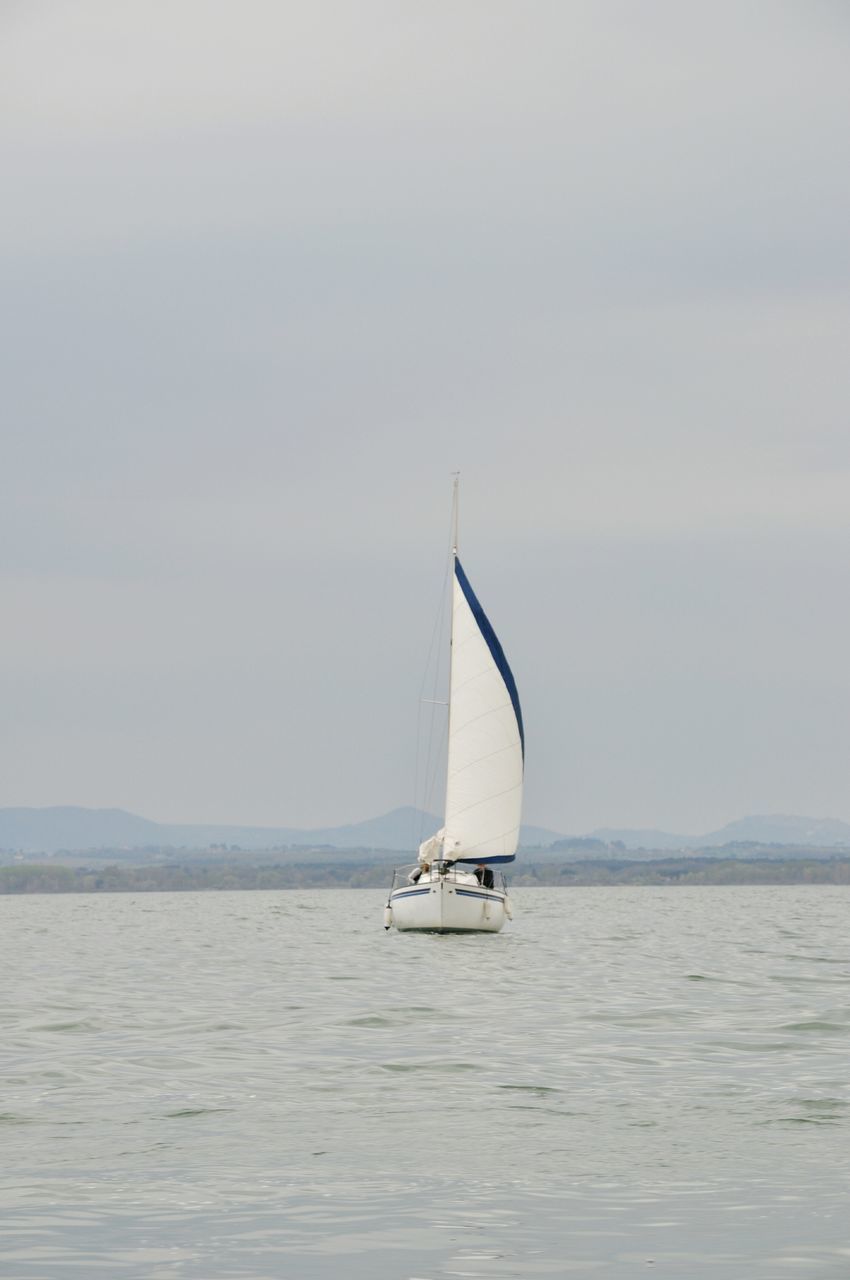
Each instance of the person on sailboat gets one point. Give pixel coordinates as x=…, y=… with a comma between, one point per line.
x=418, y=871
x=484, y=876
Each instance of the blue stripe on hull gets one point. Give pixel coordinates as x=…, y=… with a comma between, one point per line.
x=444, y=907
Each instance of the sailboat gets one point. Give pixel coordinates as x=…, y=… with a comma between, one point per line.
x=453, y=887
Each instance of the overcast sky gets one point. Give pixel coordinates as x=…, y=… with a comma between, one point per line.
x=272, y=271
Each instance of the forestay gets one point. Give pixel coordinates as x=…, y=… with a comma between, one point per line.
x=486, y=745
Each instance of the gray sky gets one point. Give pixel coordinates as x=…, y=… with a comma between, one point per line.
x=271, y=271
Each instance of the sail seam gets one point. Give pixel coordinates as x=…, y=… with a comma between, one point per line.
x=482, y=845
x=487, y=800
x=479, y=844
x=480, y=759
x=479, y=675
x=491, y=711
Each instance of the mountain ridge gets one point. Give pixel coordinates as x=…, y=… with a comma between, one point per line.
x=771, y=828
x=72, y=828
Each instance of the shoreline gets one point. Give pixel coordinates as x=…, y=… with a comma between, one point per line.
x=53, y=878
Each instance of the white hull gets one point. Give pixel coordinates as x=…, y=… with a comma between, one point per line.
x=485, y=755
x=448, y=906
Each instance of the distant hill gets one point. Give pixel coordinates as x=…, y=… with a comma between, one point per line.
x=71, y=828
x=644, y=838
x=781, y=828
x=538, y=837
x=399, y=829
x=773, y=828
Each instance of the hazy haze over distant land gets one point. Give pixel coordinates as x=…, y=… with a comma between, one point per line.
x=52, y=829
x=273, y=271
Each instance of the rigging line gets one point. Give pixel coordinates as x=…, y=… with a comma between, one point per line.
x=438, y=753
x=431, y=648
x=427, y=797
x=436, y=636
x=434, y=756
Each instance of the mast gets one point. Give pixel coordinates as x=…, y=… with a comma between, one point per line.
x=455, y=512
x=486, y=745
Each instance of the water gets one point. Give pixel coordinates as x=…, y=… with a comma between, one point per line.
x=266, y=1085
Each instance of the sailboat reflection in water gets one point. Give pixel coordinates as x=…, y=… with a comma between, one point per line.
x=453, y=887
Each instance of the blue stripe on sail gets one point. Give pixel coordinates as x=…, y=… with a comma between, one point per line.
x=495, y=649
x=485, y=859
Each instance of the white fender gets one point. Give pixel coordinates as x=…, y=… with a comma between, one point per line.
x=509, y=911
x=388, y=916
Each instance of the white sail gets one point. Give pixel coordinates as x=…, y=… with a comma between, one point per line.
x=486, y=747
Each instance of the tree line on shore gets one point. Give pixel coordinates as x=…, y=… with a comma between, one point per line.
x=32, y=877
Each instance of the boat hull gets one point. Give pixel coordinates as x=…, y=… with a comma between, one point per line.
x=445, y=907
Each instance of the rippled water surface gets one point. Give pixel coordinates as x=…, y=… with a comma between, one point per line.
x=624, y=1082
